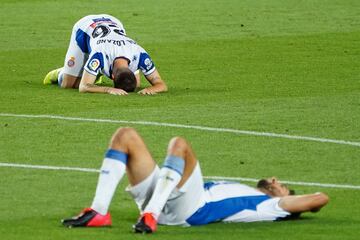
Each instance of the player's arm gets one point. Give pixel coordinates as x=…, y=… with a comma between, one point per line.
x=87, y=85
x=304, y=203
x=157, y=84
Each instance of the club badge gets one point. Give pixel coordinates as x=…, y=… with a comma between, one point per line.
x=71, y=62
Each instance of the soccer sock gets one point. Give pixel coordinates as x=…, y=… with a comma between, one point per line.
x=112, y=170
x=60, y=77
x=169, y=177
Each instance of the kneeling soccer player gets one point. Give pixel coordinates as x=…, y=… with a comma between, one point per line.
x=176, y=193
x=99, y=45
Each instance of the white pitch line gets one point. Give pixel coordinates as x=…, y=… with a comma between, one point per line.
x=211, y=129
x=44, y=167
x=325, y=185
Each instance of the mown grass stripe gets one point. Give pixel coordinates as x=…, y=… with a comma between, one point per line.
x=79, y=169
x=202, y=128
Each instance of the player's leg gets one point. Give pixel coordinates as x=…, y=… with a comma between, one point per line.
x=76, y=56
x=127, y=152
x=70, y=74
x=178, y=167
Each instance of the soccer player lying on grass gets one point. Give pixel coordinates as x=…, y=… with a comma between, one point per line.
x=99, y=46
x=176, y=193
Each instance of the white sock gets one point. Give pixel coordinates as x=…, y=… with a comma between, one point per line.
x=60, y=76
x=112, y=170
x=169, y=177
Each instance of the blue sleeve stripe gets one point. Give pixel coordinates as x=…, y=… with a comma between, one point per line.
x=175, y=163
x=146, y=65
x=95, y=63
x=117, y=155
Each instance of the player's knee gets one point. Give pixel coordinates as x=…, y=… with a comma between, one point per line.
x=66, y=84
x=68, y=81
x=177, y=146
x=125, y=134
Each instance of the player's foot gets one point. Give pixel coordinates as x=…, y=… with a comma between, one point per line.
x=146, y=224
x=88, y=218
x=52, y=77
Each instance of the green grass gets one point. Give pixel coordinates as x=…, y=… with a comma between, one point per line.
x=288, y=67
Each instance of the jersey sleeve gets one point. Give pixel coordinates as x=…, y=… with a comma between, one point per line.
x=95, y=63
x=146, y=65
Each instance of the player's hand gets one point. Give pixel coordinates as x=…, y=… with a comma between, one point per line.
x=116, y=91
x=147, y=91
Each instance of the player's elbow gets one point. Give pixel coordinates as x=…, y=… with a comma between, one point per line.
x=162, y=87
x=319, y=201
x=83, y=88
x=165, y=88
x=322, y=199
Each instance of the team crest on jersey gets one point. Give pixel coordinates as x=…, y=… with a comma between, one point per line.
x=148, y=63
x=94, y=64
x=71, y=62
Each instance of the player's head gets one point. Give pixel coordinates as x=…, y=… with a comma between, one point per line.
x=273, y=187
x=124, y=79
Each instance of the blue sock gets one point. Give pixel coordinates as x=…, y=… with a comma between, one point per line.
x=175, y=163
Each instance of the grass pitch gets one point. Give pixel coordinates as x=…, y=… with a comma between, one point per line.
x=289, y=67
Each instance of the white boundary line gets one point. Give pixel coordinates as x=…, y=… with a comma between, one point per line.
x=211, y=129
x=44, y=167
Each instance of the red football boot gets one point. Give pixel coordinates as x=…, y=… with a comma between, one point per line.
x=146, y=224
x=88, y=218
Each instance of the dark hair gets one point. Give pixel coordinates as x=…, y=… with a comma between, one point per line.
x=124, y=79
x=263, y=183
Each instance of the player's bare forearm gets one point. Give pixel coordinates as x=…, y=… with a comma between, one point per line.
x=90, y=88
x=87, y=86
x=303, y=203
x=157, y=84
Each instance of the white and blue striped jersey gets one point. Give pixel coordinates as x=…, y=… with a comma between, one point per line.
x=235, y=202
x=105, y=50
x=103, y=38
x=86, y=30
x=94, y=26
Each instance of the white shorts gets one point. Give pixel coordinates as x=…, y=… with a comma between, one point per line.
x=182, y=202
x=78, y=52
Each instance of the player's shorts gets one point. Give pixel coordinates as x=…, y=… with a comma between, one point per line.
x=142, y=192
x=78, y=50
x=182, y=202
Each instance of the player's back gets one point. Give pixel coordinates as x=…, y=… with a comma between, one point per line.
x=99, y=25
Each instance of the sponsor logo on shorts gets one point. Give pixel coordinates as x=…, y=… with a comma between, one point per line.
x=94, y=64
x=71, y=62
